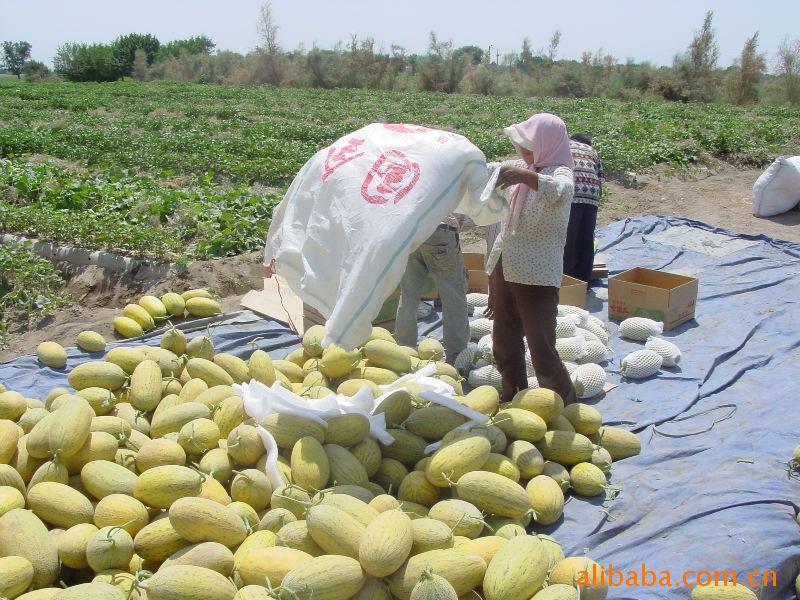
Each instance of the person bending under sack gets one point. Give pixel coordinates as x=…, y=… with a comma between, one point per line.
x=526, y=259
x=441, y=257
x=579, y=249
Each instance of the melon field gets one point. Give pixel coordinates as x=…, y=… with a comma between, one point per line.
x=178, y=171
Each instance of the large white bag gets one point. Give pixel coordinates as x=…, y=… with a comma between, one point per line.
x=342, y=235
x=777, y=190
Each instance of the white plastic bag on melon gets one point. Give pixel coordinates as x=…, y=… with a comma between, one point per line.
x=260, y=401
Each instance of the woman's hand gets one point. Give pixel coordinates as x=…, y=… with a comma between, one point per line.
x=514, y=175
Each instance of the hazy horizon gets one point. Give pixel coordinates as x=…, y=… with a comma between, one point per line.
x=652, y=32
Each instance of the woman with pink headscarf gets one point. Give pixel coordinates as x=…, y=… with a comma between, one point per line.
x=526, y=260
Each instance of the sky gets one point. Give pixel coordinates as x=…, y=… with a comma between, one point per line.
x=640, y=29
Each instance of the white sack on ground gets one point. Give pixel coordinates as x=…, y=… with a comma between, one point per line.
x=777, y=190
x=342, y=235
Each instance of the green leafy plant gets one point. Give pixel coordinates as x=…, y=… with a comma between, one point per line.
x=29, y=285
x=179, y=171
x=132, y=214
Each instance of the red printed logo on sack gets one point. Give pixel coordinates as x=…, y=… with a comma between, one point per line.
x=390, y=179
x=338, y=157
x=403, y=128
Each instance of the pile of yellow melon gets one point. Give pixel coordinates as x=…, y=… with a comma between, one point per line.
x=145, y=478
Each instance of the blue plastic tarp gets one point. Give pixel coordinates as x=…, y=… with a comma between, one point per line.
x=711, y=489
x=231, y=333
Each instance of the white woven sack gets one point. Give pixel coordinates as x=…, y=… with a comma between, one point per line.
x=777, y=190
x=357, y=209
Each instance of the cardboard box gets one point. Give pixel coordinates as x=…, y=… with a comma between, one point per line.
x=385, y=318
x=478, y=282
x=600, y=266
x=477, y=279
x=657, y=295
x=573, y=292
x=599, y=270
x=475, y=261
x=276, y=301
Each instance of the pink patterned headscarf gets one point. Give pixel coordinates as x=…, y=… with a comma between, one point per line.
x=546, y=136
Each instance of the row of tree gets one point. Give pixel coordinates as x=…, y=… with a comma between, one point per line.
x=694, y=76
x=102, y=62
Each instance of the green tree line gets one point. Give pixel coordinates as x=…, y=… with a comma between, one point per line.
x=695, y=74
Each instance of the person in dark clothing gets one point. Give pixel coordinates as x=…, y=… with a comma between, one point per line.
x=579, y=248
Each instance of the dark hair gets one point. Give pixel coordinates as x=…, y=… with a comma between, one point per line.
x=582, y=138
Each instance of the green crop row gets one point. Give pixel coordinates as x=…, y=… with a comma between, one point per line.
x=131, y=214
x=29, y=285
x=246, y=135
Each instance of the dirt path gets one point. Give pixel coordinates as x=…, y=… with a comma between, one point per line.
x=719, y=197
